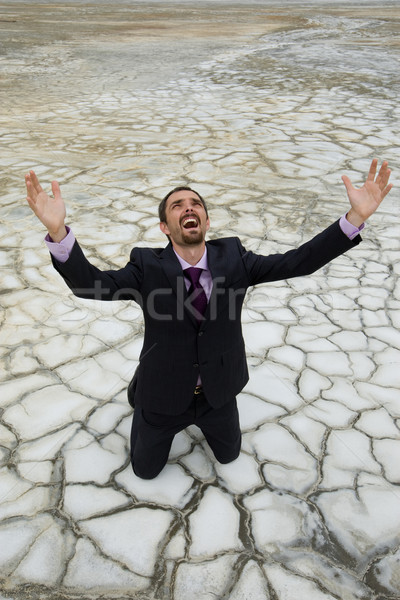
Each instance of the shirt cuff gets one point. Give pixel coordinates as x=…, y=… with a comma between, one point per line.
x=61, y=250
x=348, y=229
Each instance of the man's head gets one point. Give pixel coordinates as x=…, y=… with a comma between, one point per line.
x=184, y=216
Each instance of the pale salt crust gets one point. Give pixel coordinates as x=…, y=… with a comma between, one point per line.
x=262, y=123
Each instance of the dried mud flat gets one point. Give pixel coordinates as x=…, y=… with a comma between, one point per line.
x=260, y=107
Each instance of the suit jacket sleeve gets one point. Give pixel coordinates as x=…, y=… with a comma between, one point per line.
x=304, y=260
x=87, y=281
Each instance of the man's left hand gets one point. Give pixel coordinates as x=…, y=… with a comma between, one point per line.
x=365, y=200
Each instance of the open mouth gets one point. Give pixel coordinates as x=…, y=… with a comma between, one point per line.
x=190, y=223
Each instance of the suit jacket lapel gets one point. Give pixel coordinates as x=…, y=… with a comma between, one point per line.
x=173, y=270
x=218, y=265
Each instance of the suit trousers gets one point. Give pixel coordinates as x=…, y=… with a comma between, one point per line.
x=152, y=434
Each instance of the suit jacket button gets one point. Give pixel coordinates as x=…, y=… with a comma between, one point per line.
x=200, y=333
x=196, y=365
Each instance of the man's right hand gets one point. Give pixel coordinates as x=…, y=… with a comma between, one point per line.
x=50, y=211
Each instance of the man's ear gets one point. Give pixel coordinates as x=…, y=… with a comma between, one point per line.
x=207, y=224
x=164, y=228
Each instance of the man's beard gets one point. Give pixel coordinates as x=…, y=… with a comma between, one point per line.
x=193, y=239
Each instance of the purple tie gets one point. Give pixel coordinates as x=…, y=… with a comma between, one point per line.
x=197, y=295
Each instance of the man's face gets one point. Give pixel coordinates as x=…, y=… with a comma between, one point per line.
x=186, y=219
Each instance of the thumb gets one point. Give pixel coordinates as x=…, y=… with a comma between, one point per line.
x=56, y=190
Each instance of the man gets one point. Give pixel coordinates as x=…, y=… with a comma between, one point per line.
x=193, y=364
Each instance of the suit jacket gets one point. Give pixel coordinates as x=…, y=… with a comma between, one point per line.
x=176, y=349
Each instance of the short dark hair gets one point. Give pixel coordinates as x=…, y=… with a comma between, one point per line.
x=163, y=204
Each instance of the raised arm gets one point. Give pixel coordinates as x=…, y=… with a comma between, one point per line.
x=365, y=200
x=49, y=210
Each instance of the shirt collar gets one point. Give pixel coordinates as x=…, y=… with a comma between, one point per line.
x=202, y=264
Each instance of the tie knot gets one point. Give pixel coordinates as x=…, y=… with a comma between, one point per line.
x=193, y=273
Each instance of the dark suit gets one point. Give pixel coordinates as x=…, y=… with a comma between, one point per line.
x=175, y=349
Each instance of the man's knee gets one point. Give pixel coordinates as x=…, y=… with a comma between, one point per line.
x=227, y=455
x=146, y=472
x=224, y=460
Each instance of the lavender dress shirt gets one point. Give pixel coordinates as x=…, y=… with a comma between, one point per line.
x=62, y=250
